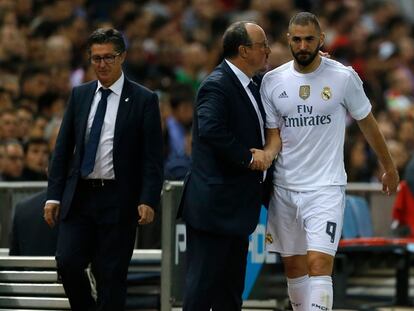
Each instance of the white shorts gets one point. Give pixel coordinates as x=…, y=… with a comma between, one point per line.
x=305, y=221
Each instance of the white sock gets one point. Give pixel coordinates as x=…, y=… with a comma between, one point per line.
x=321, y=293
x=298, y=290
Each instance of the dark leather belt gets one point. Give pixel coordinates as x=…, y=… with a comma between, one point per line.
x=97, y=183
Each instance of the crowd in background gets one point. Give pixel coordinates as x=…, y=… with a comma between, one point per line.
x=172, y=46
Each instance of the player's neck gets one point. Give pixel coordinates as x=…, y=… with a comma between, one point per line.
x=308, y=68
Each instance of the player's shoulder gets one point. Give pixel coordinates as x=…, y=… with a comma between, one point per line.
x=282, y=69
x=276, y=73
x=339, y=68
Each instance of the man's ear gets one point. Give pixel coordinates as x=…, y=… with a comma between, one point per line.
x=123, y=56
x=322, y=39
x=242, y=51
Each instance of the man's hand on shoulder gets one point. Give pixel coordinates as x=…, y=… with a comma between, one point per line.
x=51, y=213
x=146, y=214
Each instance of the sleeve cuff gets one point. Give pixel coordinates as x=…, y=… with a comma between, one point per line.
x=53, y=201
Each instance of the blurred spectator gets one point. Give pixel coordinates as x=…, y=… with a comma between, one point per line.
x=136, y=65
x=397, y=28
x=36, y=155
x=340, y=22
x=379, y=14
x=13, y=161
x=51, y=133
x=193, y=64
x=5, y=99
x=406, y=134
x=30, y=235
x=198, y=18
x=356, y=161
x=280, y=55
x=51, y=105
x=39, y=126
x=9, y=79
x=12, y=43
x=386, y=126
x=403, y=209
x=405, y=51
x=400, y=94
x=399, y=155
x=36, y=45
x=178, y=126
x=2, y=159
x=60, y=81
x=58, y=51
x=8, y=124
x=25, y=122
x=34, y=82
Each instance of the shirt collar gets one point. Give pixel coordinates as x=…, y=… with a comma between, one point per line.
x=243, y=78
x=116, y=87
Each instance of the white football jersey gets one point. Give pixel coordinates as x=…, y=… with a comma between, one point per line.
x=310, y=110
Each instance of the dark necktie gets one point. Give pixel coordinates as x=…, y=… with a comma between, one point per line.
x=254, y=88
x=88, y=161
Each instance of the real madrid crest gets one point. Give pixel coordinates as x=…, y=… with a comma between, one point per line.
x=304, y=91
x=268, y=238
x=326, y=93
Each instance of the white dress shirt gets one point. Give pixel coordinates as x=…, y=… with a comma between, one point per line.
x=104, y=166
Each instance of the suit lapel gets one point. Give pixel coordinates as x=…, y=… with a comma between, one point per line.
x=259, y=100
x=125, y=104
x=86, y=103
x=243, y=93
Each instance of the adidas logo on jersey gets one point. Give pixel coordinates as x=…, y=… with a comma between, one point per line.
x=283, y=95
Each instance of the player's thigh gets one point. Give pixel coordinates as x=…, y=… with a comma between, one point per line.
x=285, y=233
x=323, y=219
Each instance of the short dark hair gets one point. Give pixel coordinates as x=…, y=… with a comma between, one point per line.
x=305, y=18
x=32, y=71
x=102, y=36
x=35, y=141
x=234, y=36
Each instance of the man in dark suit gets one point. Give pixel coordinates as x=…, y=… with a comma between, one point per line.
x=30, y=235
x=105, y=176
x=222, y=193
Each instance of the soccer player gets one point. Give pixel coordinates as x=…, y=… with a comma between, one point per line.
x=307, y=101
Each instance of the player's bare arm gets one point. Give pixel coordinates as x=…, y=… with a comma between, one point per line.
x=262, y=159
x=390, y=178
x=273, y=143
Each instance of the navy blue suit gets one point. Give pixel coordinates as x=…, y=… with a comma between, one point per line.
x=222, y=196
x=98, y=225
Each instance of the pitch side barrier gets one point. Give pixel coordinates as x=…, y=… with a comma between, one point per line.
x=264, y=277
x=13, y=192
x=10, y=194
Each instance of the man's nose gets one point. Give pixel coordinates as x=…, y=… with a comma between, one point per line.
x=303, y=45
